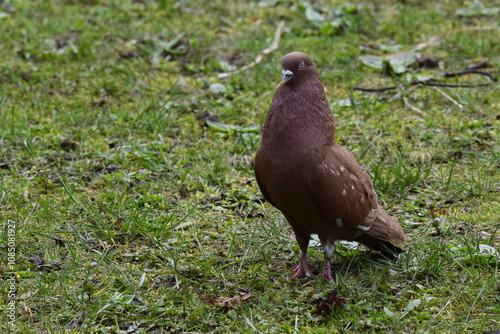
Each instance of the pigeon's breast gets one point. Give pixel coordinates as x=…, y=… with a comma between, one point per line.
x=287, y=179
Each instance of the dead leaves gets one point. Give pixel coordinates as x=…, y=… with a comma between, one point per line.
x=40, y=263
x=227, y=303
x=331, y=302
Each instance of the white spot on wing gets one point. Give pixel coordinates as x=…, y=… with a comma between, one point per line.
x=338, y=221
x=352, y=187
x=363, y=228
x=344, y=192
x=342, y=168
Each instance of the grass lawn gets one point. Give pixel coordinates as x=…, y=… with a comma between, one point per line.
x=127, y=189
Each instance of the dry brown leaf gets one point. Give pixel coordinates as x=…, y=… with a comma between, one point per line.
x=332, y=300
x=226, y=303
x=36, y=260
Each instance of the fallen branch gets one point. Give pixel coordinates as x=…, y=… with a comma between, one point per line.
x=448, y=97
x=432, y=81
x=372, y=90
x=412, y=107
x=274, y=45
x=249, y=323
x=421, y=83
x=469, y=71
x=435, y=84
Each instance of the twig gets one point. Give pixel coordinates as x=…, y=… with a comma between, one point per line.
x=478, y=66
x=469, y=71
x=250, y=324
x=458, y=104
x=274, y=45
x=431, y=82
x=442, y=308
x=412, y=107
x=383, y=89
x=425, y=83
x=276, y=41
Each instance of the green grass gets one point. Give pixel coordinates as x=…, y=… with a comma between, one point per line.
x=134, y=214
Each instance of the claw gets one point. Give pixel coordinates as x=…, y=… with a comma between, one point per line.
x=302, y=268
x=327, y=273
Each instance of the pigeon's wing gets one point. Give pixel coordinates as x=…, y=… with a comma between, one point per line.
x=345, y=193
x=259, y=165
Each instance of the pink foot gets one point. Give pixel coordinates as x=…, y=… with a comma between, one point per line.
x=327, y=273
x=327, y=276
x=302, y=268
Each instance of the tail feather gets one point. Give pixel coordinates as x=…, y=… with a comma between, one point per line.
x=386, y=248
x=384, y=234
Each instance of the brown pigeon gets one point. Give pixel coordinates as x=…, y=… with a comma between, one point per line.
x=317, y=184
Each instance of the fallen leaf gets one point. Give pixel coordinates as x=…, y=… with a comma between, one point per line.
x=217, y=88
x=68, y=145
x=59, y=242
x=36, y=260
x=332, y=300
x=26, y=295
x=226, y=303
x=118, y=222
x=313, y=15
x=221, y=127
x=390, y=314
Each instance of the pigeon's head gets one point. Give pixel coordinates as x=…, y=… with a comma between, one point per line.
x=297, y=66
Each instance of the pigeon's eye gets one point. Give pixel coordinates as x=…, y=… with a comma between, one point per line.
x=302, y=65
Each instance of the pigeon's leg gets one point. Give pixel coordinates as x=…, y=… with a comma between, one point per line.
x=303, y=266
x=328, y=249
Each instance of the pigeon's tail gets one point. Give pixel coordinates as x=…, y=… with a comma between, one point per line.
x=386, y=248
x=384, y=235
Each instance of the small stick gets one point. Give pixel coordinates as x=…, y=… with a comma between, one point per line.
x=430, y=82
x=458, y=104
x=250, y=324
x=383, y=89
x=412, y=107
x=469, y=71
x=274, y=45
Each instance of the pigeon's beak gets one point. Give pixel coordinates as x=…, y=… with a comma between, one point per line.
x=286, y=75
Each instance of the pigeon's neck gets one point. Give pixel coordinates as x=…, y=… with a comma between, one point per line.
x=299, y=116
